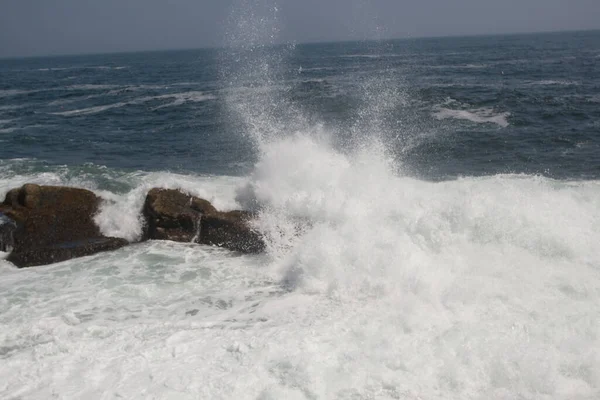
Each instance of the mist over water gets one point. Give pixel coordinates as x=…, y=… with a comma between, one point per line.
x=458, y=289
x=375, y=285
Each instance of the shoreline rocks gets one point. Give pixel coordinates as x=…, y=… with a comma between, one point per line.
x=31, y=257
x=53, y=223
x=174, y=215
x=47, y=224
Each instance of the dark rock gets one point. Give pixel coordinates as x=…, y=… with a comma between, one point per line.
x=230, y=230
x=174, y=215
x=30, y=257
x=7, y=233
x=53, y=223
x=48, y=215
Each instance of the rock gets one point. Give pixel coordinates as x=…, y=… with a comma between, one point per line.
x=54, y=223
x=29, y=257
x=231, y=230
x=7, y=232
x=174, y=215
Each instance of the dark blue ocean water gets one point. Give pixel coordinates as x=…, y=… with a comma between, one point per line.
x=462, y=106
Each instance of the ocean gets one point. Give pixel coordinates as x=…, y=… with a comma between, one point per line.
x=431, y=209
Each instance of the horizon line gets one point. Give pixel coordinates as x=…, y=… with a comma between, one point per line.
x=324, y=41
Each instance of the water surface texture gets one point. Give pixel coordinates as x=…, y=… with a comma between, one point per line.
x=431, y=209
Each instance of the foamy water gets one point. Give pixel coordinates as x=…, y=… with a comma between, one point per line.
x=480, y=116
x=178, y=99
x=375, y=286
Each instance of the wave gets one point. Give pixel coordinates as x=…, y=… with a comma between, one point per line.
x=302, y=69
x=367, y=272
x=91, y=87
x=179, y=99
x=11, y=107
x=374, y=284
x=99, y=67
x=18, y=92
x=90, y=110
x=463, y=66
x=71, y=100
x=479, y=115
x=120, y=213
x=15, y=92
x=182, y=98
x=554, y=83
x=22, y=128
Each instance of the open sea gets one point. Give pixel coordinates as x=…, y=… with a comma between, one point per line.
x=431, y=209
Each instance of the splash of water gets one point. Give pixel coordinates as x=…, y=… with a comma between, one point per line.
x=456, y=286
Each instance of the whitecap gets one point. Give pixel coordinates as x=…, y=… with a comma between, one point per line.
x=15, y=92
x=479, y=115
x=22, y=128
x=10, y=107
x=179, y=99
x=91, y=87
x=550, y=82
x=182, y=98
x=90, y=110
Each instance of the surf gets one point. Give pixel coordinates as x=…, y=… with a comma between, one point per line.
x=375, y=283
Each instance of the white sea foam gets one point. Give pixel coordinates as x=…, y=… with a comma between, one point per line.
x=90, y=110
x=549, y=82
x=10, y=107
x=462, y=66
x=91, y=87
x=371, y=56
x=479, y=115
x=22, y=128
x=375, y=286
x=14, y=92
x=120, y=214
x=100, y=67
x=182, y=98
x=70, y=100
x=179, y=99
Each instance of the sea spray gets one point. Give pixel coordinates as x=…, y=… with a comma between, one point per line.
x=449, y=289
x=376, y=285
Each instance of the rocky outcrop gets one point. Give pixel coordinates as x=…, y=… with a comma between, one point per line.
x=231, y=230
x=54, y=223
x=174, y=215
x=47, y=224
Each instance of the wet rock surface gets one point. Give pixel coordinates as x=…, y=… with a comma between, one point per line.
x=231, y=230
x=48, y=224
x=53, y=223
x=174, y=215
x=29, y=257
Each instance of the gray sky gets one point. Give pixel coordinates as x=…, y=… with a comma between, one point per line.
x=42, y=27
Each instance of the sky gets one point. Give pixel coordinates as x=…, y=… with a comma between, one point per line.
x=53, y=27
